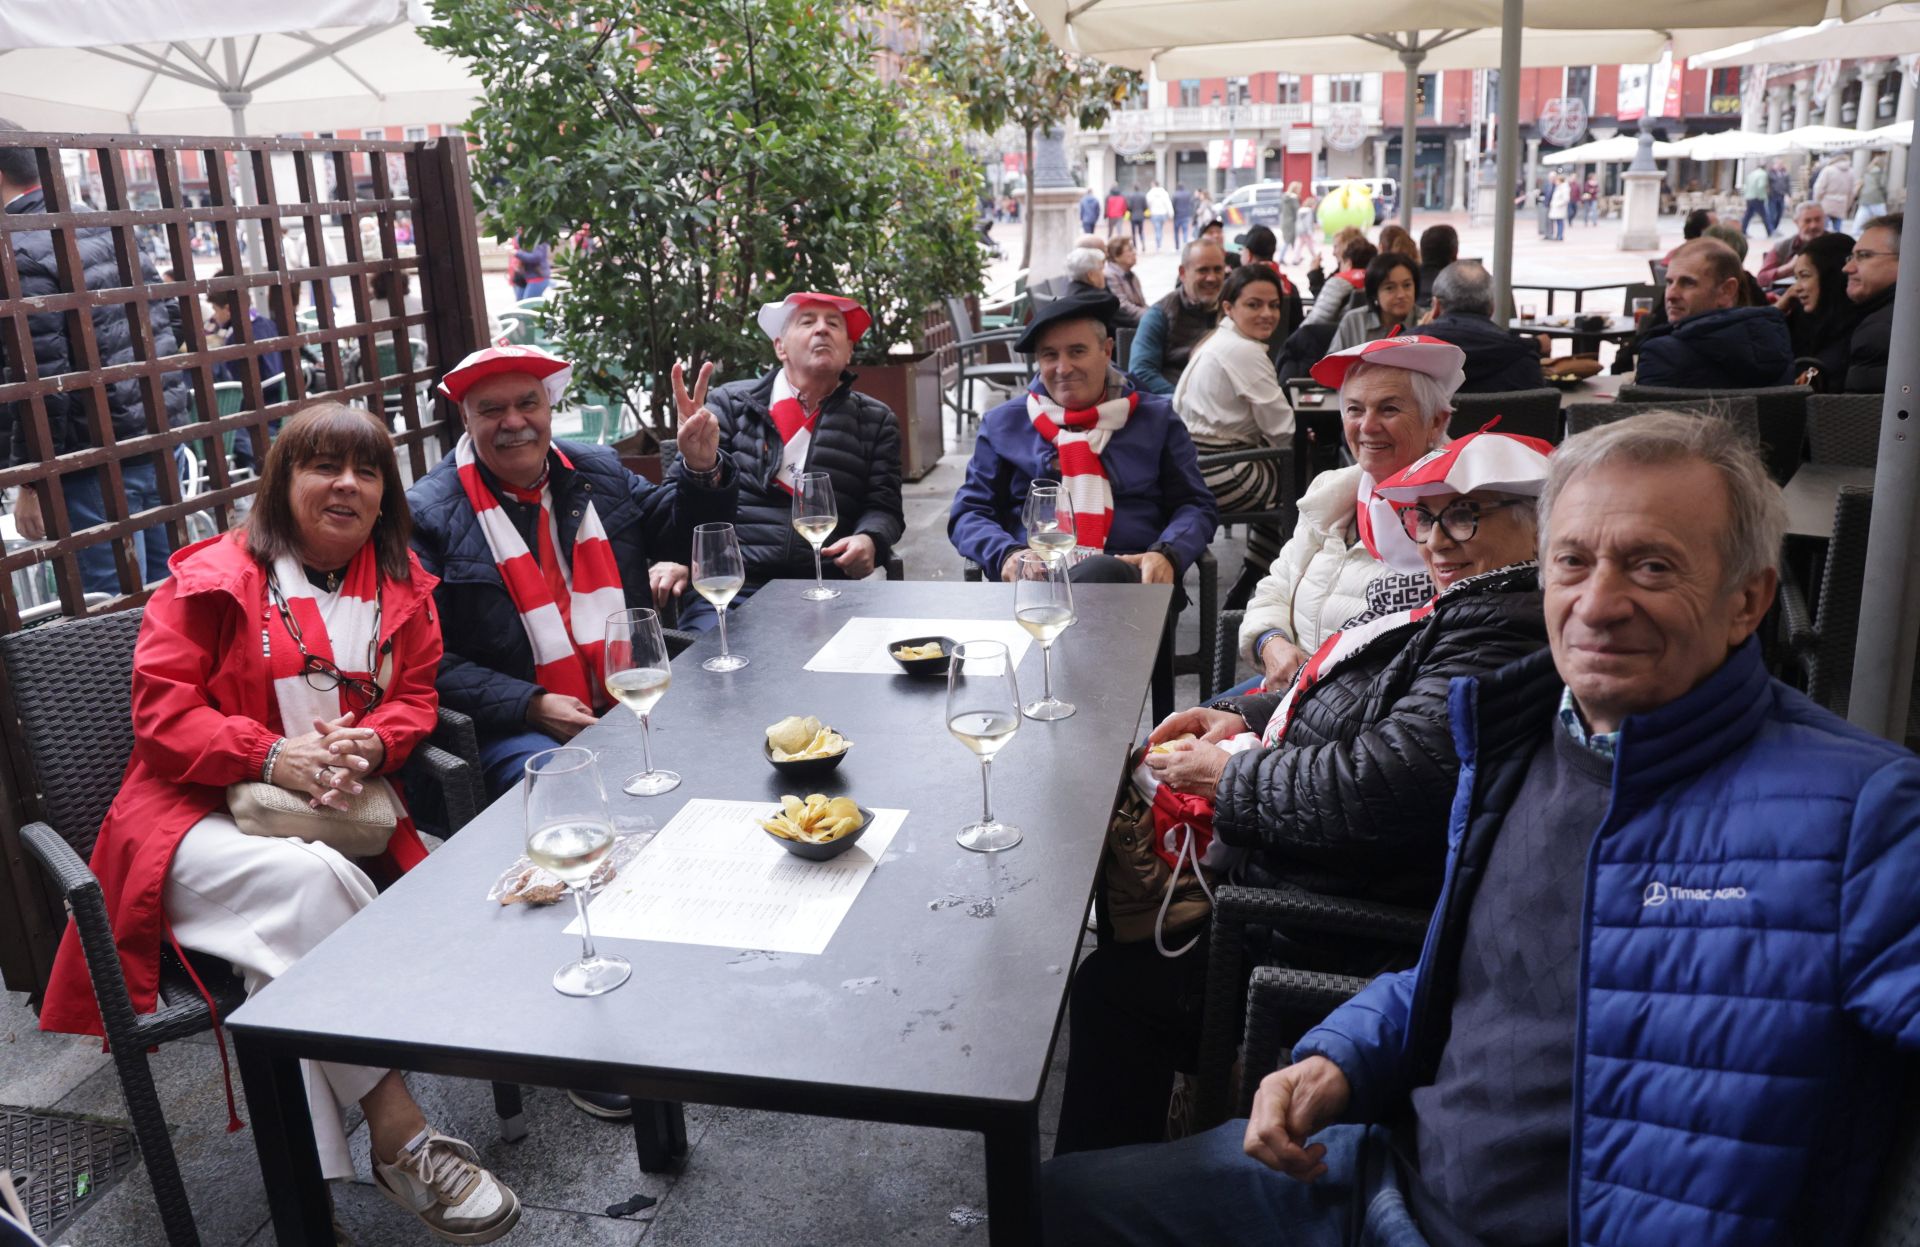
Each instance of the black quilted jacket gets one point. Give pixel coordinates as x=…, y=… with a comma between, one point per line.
x=1355, y=802
x=856, y=442
x=53, y=354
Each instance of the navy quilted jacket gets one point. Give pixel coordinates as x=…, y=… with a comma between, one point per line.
x=54, y=354
x=1751, y=960
x=487, y=669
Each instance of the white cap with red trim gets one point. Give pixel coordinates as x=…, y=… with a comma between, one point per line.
x=1415, y=352
x=552, y=372
x=773, y=316
x=1499, y=462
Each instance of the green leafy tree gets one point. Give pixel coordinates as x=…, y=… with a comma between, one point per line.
x=997, y=60
x=720, y=154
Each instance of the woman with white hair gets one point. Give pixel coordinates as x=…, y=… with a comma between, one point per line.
x=1087, y=268
x=1396, y=396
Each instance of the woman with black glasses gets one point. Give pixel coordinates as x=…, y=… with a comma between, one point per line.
x=283, y=672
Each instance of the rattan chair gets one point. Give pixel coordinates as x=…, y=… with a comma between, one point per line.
x=1743, y=413
x=971, y=344
x=1822, y=639
x=1782, y=413
x=1845, y=428
x=71, y=691
x=1529, y=413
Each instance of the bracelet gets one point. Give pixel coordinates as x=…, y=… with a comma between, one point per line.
x=273, y=755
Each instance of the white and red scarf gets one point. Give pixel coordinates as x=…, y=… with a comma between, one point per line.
x=564, y=603
x=795, y=425
x=1335, y=650
x=1079, y=437
x=345, y=631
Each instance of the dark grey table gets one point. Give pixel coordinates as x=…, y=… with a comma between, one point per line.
x=936, y=1004
x=1811, y=492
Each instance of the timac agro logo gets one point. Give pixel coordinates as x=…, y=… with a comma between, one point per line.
x=1658, y=894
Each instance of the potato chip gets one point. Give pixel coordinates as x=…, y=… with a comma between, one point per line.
x=816, y=820
x=792, y=733
x=1166, y=746
x=913, y=653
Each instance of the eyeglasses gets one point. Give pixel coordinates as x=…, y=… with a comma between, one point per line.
x=1459, y=519
x=361, y=695
x=1856, y=255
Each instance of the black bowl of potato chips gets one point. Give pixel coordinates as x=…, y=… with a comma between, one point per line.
x=923, y=655
x=818, y=828
x=805, y=749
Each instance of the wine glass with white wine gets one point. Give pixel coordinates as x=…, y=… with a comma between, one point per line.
x=568, y=833
x=983, y=713
x=1043, y=605
x=638, y=675
x=718, y=574
x=1048, y=519
x=814, y=517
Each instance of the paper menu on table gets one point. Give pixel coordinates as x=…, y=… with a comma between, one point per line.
x=860, y=647
x=713, y=876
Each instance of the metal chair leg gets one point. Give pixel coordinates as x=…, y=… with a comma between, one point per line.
x=156, y=1146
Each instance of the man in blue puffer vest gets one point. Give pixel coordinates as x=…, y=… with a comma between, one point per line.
x=1671, y=980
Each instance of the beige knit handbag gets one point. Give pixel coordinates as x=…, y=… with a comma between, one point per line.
x=360, y=830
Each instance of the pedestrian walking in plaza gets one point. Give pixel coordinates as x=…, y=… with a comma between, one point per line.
x=1557, y=208
x=1779, y=186
x=1183, y=205
x=1116, y=209
x=1834, y=189
x=1137, y=215
x=1089, y=211
x=1289, y=219
x=1873, y=194
x=1756, y=193
x=1159, y=210
x=1591, y=200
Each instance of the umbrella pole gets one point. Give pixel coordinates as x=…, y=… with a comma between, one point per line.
x=1411, y=57
x=1883, y=654
x=1508, y=166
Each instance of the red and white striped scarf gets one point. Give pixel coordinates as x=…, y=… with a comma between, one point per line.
x=796, y=431
x=564, y=603
x=344, y=631
x=1334, y=651
x=1078, y=437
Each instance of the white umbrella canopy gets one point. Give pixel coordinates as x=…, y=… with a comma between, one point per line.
x=1729, y=145
x=1900, y=133
x=1350, y=54
x=1893, y=31
x=203, y=66
x=1618, y=150
x=1824, y=139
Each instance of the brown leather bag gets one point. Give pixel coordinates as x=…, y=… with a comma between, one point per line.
x=1138, y=881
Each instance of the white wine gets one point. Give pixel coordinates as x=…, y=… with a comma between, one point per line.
x=570, y=850
x=814, y=527
x=1049, y=542
x=1044, y=622
x=640, y=688
x=719, y=589
x=984, y=731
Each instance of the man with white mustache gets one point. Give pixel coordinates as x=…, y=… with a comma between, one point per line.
x=802, y=417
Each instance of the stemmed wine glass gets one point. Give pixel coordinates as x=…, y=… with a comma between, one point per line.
x=983, y=713
x=814, y=517
x=568, y=832
x=1048, y=519
x=638, y=675
x=1043, y=605
x=718, y=574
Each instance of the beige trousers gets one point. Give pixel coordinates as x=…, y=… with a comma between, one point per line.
x=262, y=902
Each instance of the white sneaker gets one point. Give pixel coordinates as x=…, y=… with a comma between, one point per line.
x=440, y=1180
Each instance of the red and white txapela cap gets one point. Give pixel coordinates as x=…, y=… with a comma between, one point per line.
x=1505, y=462
x=1414, y=351
x=552, y=371
x=773, y=316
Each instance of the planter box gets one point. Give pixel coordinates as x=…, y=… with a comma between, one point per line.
x=911, y=388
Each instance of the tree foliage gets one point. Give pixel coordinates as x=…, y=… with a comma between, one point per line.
x=722, y=153
x=998, y=61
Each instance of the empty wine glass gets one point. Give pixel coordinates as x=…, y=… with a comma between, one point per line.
x=1048, y=518
x=1043, y=605
x=814, y=517
x=718, y=574
x=638, y=675
x=983, y=713
x=568, y=833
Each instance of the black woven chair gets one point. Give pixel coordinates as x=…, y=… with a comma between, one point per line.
x=1394, y=930
x=1782, y=411
x=1845, y=429
x=1822, y=640
x=71, y=691
x=1742, y=412
x=1529, y=413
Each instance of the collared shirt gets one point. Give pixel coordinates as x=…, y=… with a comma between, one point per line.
x=1602, y=743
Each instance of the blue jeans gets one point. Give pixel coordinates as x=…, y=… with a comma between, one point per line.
x=1182, y=228
x=503, y=758
x=86, y=507
x=1159, y=232
x=1205, y=1189
x=536, y=288
x=1755, y=208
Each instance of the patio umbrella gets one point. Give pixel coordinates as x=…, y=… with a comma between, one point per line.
x=1729, y=145
x=1823, y=139
x=1900, y=134
x=1620, y=149
x=1893, y=31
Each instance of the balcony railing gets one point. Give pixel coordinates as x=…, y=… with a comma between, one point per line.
x=1215, y=117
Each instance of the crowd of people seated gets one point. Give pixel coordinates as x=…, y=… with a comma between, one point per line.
x=1674, y=945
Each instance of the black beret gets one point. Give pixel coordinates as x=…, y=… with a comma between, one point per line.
x=1082, y=302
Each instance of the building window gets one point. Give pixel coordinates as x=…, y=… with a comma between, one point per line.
x=1580, y=83
x=1427, y=96
x=416, y=134
x=1890, y=94
x=1725, y=82
x=373, y=134
x=1189, y=93
x=1239, y=91
x=1344, y=88
x=1286, y=88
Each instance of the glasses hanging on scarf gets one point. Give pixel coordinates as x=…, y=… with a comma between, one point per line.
x=362, y=694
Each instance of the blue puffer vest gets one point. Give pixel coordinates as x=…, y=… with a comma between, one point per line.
x=1751, y=960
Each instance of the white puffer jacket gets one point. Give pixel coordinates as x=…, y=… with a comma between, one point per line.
x=1320, y=579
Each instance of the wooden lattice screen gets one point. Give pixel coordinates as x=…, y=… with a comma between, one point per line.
x=312, y=221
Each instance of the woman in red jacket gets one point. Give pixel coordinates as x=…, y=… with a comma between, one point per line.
x=299, y=651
